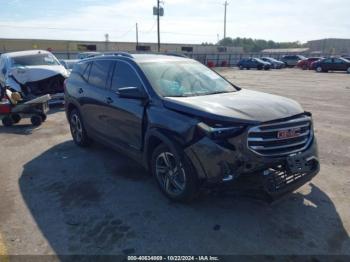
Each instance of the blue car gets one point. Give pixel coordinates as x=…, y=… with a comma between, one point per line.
x=248, y=63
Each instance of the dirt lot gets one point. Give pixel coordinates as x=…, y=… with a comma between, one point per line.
x=56, y=198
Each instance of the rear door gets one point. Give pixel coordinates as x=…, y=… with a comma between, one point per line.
x=94, y=93
x=125, y=115
x=327, y=64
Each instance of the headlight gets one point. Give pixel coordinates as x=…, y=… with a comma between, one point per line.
x=220, y=132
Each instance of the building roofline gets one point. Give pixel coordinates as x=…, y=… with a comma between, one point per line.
x=101, y=42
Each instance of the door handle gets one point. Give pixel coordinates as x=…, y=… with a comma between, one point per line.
x=109, y=100
x=80, y=91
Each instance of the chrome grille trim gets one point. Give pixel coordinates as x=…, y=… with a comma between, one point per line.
x=259, y=139
x=263, y=139
x=279, y=129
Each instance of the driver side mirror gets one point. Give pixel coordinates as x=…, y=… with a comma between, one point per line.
x=131, y=92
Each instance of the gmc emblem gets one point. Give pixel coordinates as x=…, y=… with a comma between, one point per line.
x=290, y=133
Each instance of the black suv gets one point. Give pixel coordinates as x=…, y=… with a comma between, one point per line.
x=189, y=126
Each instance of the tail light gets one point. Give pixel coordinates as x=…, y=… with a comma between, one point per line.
x=5, y=106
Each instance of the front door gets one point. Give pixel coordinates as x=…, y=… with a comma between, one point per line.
x=125, y=115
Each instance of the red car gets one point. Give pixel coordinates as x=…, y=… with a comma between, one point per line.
x=305, y=64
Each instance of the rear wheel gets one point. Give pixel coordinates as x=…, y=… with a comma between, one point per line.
x=305, y=67
x=7, y=121
x=77, y=129
x=16, y=118
x=348, y=71
x=241, y=67
x=175, y=176
x=36, y=120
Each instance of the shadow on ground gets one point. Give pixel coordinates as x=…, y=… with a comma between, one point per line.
x=95, y=201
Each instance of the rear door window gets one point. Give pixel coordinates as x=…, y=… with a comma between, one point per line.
x=99, y=73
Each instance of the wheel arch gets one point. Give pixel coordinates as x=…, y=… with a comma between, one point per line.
x=154, y=138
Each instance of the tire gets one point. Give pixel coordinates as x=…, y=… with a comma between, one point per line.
x=7, y=121
x=36, y=120
x=16, y=118
x=319, y=69
x=177, y=183
x=304, y=67
x=248, y=68
x=44, y=117
x=241, y=67
x=77, y=129
x=348, y=71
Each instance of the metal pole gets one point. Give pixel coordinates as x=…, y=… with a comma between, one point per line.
x=226, y=4
x=137, y=35
x=158, y=13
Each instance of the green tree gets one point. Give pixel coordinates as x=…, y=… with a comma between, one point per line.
x=256, y=45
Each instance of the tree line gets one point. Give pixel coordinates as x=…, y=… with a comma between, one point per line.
x=256, y=45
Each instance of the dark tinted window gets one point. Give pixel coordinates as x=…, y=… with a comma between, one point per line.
x=124, y=76
x=328, y=60
x=99, y=73
x=187, y=48
x=143, y=48
x=80, y=68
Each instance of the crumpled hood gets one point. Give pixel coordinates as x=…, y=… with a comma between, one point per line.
x=241, y=106
x=26, y=74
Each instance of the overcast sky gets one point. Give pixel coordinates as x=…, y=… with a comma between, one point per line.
x=185, y=21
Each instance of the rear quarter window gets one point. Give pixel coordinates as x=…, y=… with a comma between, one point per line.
x=99, y=73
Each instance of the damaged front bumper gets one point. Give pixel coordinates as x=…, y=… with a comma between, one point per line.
x=220, y=162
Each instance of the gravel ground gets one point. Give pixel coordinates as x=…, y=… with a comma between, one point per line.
x=59, y=199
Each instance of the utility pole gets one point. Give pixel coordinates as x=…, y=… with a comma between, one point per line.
x=226, y=4
x=137, y=35
x=158, y=25
x=158, y=11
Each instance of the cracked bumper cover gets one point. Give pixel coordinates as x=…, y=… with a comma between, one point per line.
x=215, y=162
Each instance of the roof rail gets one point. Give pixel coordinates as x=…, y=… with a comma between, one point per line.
x=125, y=54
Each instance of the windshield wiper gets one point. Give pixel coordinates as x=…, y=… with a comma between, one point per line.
x=217, y=92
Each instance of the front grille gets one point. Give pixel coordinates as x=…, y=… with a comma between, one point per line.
x=264, y=139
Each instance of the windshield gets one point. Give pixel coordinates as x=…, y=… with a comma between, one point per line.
x=184, y=78
x=259, y=60
x=34, y=60
x=271, y=59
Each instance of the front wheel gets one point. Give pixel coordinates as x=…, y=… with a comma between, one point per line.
x=174, y=174
x=319, y=69
x=7, y=121
x=77, y=129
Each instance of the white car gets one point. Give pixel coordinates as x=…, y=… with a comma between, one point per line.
x=33, y=73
